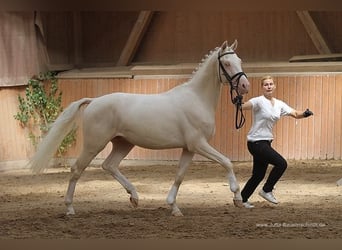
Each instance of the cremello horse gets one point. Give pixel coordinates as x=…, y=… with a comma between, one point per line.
x=183, y=117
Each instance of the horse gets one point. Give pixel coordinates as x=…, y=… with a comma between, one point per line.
x=181, y=117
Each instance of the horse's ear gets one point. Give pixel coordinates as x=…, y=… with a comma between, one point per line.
x=234, y=45
x=224, y=45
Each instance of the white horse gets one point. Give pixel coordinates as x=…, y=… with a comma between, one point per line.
x=182, y=117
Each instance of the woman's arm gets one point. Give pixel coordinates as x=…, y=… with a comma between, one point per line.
x=301, y=114
x=247, y=105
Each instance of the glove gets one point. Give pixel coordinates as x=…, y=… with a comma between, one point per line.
x=307, y=113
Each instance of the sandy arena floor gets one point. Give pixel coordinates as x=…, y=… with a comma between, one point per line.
x=32, y=207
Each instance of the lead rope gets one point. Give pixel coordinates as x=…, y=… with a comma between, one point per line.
x=238, y=104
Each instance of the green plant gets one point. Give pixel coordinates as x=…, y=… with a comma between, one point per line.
x=40, y=108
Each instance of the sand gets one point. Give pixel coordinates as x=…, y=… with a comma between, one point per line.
x=32, y=207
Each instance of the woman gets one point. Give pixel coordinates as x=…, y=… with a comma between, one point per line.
x=266, y=111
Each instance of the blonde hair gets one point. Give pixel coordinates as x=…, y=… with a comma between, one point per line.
x=265, y=78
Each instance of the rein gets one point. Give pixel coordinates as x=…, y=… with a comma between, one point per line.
x=237, y=100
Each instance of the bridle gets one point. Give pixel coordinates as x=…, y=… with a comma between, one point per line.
x=237, y=100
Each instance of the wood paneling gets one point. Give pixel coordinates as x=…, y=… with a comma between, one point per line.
x=14, y=144
x=318, y=137
x=98, y=38
x=312, y=30
x=263, y=36
x=135, y=37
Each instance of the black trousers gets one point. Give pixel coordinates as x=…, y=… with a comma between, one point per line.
x=263, y=155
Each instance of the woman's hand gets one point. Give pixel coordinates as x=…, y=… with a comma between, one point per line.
x=307, y=113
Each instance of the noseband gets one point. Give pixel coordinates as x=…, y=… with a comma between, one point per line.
x=237, y=100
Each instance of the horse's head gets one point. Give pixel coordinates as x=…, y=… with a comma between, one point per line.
x=230, y=70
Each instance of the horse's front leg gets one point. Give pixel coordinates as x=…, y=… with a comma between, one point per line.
x=184, y=163
x=204, y=149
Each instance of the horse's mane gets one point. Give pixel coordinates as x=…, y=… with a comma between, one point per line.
x=204, y=60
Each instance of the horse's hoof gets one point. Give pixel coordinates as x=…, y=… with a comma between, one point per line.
x=339, y=182
x=134, y=202
x=177, y=213
x=70, y=212
x=70, y=209
x=238, y=203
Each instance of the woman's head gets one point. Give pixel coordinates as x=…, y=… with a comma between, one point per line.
x=267, y=85
x=267, y=77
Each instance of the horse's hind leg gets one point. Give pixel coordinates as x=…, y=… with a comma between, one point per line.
x=76, y=171
x=121, y=148
x=184, y=163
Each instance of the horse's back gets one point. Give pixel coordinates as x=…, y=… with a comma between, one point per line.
x=130, y=104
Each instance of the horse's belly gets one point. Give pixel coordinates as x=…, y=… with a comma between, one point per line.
x=154, y=137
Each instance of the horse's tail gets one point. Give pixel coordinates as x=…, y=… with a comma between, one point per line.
x=59, y=129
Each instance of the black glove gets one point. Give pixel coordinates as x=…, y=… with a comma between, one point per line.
x=307, y=113
x=237, y=100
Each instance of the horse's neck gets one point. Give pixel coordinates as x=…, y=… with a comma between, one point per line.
x=205, y=81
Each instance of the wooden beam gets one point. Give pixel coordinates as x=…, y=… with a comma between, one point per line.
x=313, y=32
x=317, y=58
x=135, y=37
x=77, y=42
x=184, y=70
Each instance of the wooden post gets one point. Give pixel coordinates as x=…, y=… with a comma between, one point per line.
x=313, y=32
x=135, y=37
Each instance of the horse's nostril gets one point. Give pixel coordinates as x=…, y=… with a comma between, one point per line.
x=244, y=86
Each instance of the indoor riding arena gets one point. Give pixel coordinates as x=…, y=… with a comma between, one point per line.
x=95, y=53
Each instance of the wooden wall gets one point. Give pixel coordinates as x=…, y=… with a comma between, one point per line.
x=95, y=38
x=14, y=144
x=318, y=137
x=180, y=38
x=264, y=36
